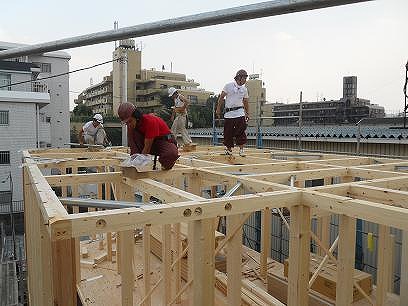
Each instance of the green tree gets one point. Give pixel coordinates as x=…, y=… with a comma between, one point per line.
x=82, y=110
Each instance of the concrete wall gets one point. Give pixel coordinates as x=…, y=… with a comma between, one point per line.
x=15, y=137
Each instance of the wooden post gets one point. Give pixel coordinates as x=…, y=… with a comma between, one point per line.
x=383, y=264
x=391, y=243
x=404, y=270
x=75, y=210
x=38, y=251
x=64, y=272
x=177, y=247
x=234, y=253
x=146, y=262
x=345, y=260
x=201, y=242
x=166, y=262
x=265, y=241
x=201, y=262
x=126, y=269
x=323, y=232
x=299, y=256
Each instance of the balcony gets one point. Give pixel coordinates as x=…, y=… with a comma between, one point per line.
x=39, y=87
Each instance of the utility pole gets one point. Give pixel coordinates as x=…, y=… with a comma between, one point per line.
x=123, y=92
x=300, y=123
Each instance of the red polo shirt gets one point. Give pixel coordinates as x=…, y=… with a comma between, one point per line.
x=151, y=126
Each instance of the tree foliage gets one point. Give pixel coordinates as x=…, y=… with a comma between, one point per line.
x=82, y=110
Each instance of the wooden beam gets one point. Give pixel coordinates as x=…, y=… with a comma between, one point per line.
x=299, y=256
x=89, y=178
x=345, y=261
x=123, y=219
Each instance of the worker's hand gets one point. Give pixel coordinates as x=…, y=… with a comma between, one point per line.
x=172, y=118
x=246, y=117
x=218, y=113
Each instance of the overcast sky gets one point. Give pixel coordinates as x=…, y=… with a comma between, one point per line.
x=309, y=51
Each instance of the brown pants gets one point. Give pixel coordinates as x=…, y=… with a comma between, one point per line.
x=235, y=128
x=165, y=149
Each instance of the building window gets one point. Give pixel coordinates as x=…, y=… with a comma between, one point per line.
x=44, y=67
x=4, y=157
x=4, y=117
x=5, y=81
x=193, y=99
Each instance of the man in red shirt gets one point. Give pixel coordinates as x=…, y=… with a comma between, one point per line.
x=148, y=134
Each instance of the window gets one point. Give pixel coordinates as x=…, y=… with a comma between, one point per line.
x=193, y=99
x=4, y=117
x=44, y=67
x=4, y=157
x=5, y=80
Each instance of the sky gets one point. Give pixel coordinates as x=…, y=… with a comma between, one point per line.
x=308, y=51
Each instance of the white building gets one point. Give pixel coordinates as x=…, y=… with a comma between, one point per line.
x=33, y=114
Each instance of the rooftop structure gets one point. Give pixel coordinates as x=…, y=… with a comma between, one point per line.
x=157, y=218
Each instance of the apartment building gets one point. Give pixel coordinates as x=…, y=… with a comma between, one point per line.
x=257, y=101
x=347, y=110
x=144, y=87
x=34, y=113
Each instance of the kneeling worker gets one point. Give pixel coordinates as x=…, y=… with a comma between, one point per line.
x=148, y=134
x=93, y=132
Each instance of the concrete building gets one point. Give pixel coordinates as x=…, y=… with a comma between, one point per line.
x=34, y=114
x=144, y=86
x=257, y=101
x=347, y=110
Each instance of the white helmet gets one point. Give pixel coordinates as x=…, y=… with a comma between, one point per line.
x=98, y=117
x=172, y=90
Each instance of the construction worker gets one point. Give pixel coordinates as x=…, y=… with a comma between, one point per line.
x=93, y=132
x=149, y=134
x=179, y=116
x=235, y=112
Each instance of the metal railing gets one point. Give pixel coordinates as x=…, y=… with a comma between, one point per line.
x=14, y=207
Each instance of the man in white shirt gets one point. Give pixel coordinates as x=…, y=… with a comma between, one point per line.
x=92, y=132
x=236, y=116
x=179, y=116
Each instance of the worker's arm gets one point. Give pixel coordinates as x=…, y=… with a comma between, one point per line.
x=220, y=103
x=246, y=107
x=148, y=142
x=184, y=107
x=81, y=136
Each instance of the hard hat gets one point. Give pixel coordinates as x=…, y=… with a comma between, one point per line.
x=98, y=117
x=125, y=111
x=241, y=73
x=172, y=90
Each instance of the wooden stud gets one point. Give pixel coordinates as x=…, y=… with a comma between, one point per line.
x=265, y=241
x=166, y=262
x=391, y=246
x=234, y=251
x=383, y=265
x=299, y=256
x=177, y=247
x=404, y=270
x=345, y=260
x=126, y=269
x=146, y=263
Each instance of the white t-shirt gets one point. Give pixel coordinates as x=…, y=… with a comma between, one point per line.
x=234, y=98
x=89, y=128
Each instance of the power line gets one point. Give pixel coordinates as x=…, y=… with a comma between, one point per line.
x=61, y=74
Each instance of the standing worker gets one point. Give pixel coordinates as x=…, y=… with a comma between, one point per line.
x=148, y=134
x=179, y=116
x=93, y=132
x=236, y=115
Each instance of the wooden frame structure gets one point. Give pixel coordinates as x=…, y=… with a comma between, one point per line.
x=372, y=189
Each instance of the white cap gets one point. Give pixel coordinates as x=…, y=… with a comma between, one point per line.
x=172, y=90
x=98, y=117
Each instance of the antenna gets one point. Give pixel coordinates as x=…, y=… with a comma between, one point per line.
x=115, y=27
